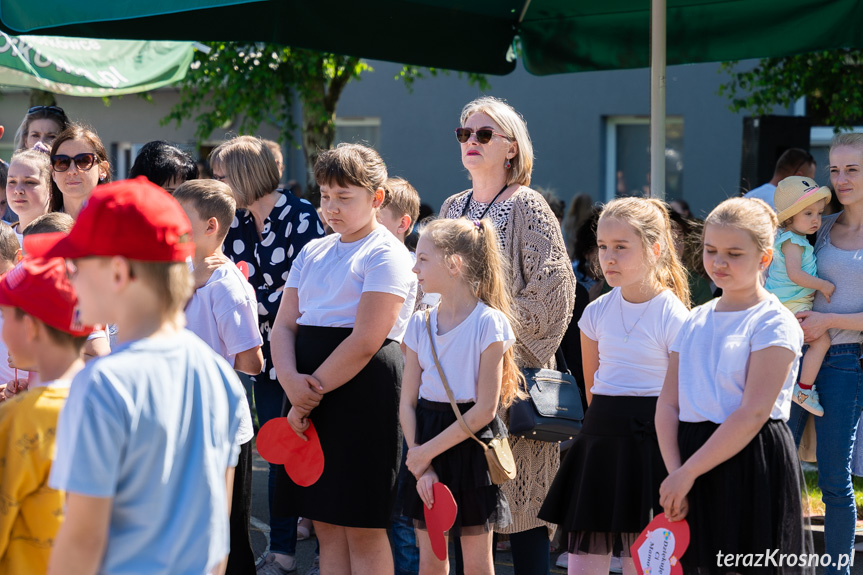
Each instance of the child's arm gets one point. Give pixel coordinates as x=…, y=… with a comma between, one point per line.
x=590, y=363
x=80, y=543
x=410, y=393
x=302, y=390
x=667, y=421
x=481, y=414
x=768, y=369
x=376, y=315
x=229, y=486
x=250, y=361
x=794, y=268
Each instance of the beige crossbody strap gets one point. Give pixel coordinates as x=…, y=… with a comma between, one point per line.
x=446, y=385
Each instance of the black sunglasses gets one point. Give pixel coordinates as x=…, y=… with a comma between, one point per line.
x=483, y=135
x=52, y=109
x=83, y=162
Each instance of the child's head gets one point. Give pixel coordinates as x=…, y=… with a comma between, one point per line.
x=50, y=223
x=247, y=165
x=636, y=246
x=9, y=248
x=738, y=242
x=468, y=251
x=401, y=207
x=36, y=300
x=352, y=180
x=130, y=243
x=165, y=165
x=210, y=207
x=28, y=185
x=799, y=204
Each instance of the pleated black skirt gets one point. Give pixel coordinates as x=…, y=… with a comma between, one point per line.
x=360, y=436
x=607, y=488
x=748, y=504
x=482, y=505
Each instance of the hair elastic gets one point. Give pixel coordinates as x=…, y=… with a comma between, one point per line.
x=478, y=224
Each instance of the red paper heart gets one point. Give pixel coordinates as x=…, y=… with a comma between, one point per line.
x=244, y=269
x=440, y=518
x=658, y=549
x=303, y=460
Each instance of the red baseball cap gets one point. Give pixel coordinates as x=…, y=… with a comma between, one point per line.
x=40, y=288
x=135, y=219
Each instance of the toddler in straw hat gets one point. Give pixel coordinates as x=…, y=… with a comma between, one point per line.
x=792, y=277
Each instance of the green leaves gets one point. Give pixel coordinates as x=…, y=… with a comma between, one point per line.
x=831, y=81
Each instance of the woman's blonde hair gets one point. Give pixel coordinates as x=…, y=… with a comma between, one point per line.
x=514, y=127
x=649, y=218
x=749, y=214
x=351, y=164
x=250, y=166
x=847, y=140
x=484, y=268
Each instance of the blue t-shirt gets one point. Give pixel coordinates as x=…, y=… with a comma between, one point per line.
x=152, y=426
x=778, y=282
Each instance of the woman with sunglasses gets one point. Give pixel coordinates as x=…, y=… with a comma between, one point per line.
x=79, y=163
x=40, y=124
x=497, y=152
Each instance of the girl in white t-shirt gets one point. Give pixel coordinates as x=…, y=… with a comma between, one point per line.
x=471, y=333
x=335, y=347
x=733, y=469
x=605, y=491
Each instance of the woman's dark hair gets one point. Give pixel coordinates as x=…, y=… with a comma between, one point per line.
x=585, y=243
x=161, y=162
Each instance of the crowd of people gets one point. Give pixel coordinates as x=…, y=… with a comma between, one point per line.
x=131, y=309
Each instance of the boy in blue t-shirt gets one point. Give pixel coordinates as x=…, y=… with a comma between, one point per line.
x=145, y=443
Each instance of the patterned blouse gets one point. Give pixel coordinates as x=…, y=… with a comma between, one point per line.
x=292, y=223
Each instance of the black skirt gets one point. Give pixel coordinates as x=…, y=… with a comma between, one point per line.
x=360, y=436
x=481, y=504
x=748, y=505
x=607, y=488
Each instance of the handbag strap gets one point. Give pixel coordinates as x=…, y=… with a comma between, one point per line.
x=446, y=385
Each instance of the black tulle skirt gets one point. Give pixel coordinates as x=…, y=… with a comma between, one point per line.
x=482, y=505
x=360, y=436
x=748, y=504
x=607, y=488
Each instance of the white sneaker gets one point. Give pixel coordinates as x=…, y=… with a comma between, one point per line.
x=562, y=560
x=269, y=566
x=616, y=565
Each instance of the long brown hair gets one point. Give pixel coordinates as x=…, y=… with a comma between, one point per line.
x=649, y=218
x=485, y=269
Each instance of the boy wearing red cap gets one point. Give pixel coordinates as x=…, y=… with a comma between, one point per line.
x=146, y=441
x=42, y=330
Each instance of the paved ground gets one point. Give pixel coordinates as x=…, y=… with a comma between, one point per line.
x=306, y=549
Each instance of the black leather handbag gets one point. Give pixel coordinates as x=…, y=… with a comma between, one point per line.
x=553, y=412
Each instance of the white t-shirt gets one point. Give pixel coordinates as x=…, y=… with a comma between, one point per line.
x=633, y=366
x=763, y=192
x=224, y=313
x=714, y=350
x=458, y=351
x=331, y=275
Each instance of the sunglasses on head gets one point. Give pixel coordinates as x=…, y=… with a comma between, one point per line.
x=53, y=109
x=483, y=135
x=83, y=162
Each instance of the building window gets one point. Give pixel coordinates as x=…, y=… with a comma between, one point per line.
x=366, y=131
x=628, y=156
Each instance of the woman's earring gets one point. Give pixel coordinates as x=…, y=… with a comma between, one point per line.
x=102, y=178
x=507, y=165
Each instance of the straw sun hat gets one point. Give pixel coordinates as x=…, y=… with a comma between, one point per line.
x=794, y=194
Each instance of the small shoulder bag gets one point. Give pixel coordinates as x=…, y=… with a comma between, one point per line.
x=501, y=464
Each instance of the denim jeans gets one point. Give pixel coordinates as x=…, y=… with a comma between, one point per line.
x=269, y=397
x=406, y=554
x=840, y=387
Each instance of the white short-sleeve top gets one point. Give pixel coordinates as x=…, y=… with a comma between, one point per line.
x=331, y=275
x=632, y=363
x=714, y=350
x=458, y=351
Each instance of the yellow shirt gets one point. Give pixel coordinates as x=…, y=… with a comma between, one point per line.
x=30, y=511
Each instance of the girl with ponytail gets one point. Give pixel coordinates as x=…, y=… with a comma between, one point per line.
x=472, y=334
x=607, y=488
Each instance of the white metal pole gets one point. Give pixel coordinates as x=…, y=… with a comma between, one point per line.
x=657, y=99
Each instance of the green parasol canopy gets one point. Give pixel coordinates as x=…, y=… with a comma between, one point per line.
x=557, y=36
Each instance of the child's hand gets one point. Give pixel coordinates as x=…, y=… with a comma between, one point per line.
x=673, y=492
x=828, y=290
x=418, y=461
x=13, y=387
x=202, y=274
x=299, y=422
x=304, y=391
x=424, y=487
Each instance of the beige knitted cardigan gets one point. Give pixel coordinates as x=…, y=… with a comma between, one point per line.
x=543, y=288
